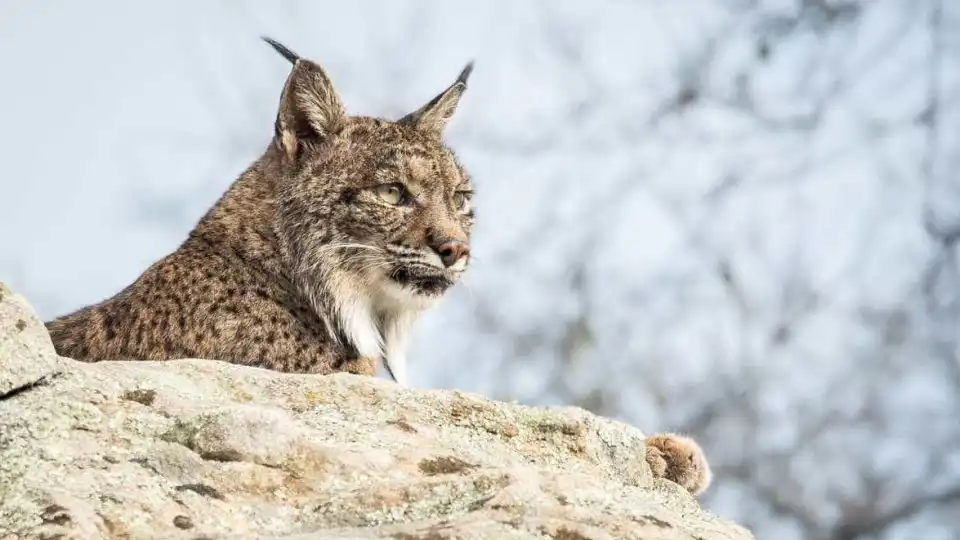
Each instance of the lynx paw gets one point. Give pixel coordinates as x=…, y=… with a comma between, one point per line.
x=678, y=459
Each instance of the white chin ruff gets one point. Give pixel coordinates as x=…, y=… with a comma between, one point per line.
x=400, y=297
x=377, y=318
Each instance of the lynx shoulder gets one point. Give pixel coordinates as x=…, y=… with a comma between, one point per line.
x=317, y=259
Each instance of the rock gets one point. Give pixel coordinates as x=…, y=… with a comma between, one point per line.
x=205, y=449
x=26, y=352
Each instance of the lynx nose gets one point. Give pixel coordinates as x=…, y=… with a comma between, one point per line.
x=451, y=251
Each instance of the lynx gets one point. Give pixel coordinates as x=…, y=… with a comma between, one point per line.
x=319, y=257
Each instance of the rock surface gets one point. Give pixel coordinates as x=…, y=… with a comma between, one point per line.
x=202, y=449
x=26, y=353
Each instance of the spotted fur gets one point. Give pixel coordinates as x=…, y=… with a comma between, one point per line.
x=303, y=265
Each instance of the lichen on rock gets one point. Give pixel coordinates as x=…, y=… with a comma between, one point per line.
x=207, y=449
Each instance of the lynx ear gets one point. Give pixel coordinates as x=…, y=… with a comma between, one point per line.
x=433, y=116
x=310, y=109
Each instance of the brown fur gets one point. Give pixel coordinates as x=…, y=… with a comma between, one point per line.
x=678, y=459
x=303, y=265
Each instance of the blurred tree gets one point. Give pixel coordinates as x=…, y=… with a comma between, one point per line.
x=788, y=325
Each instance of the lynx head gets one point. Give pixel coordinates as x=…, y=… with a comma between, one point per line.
x=385, y=202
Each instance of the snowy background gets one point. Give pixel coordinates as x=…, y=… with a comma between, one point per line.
x=732, y=218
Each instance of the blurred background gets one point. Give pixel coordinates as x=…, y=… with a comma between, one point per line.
x=736, y=219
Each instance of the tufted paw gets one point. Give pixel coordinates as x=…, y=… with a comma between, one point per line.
x=678, y=459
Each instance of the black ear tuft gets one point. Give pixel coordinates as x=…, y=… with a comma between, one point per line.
x=283, y=50
x=465, y=74
x=433, y=116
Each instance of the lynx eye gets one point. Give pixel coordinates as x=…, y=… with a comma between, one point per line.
x=391, y=193
x=461, y=199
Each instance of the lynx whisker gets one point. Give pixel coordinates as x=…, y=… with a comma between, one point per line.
x=333, y=247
